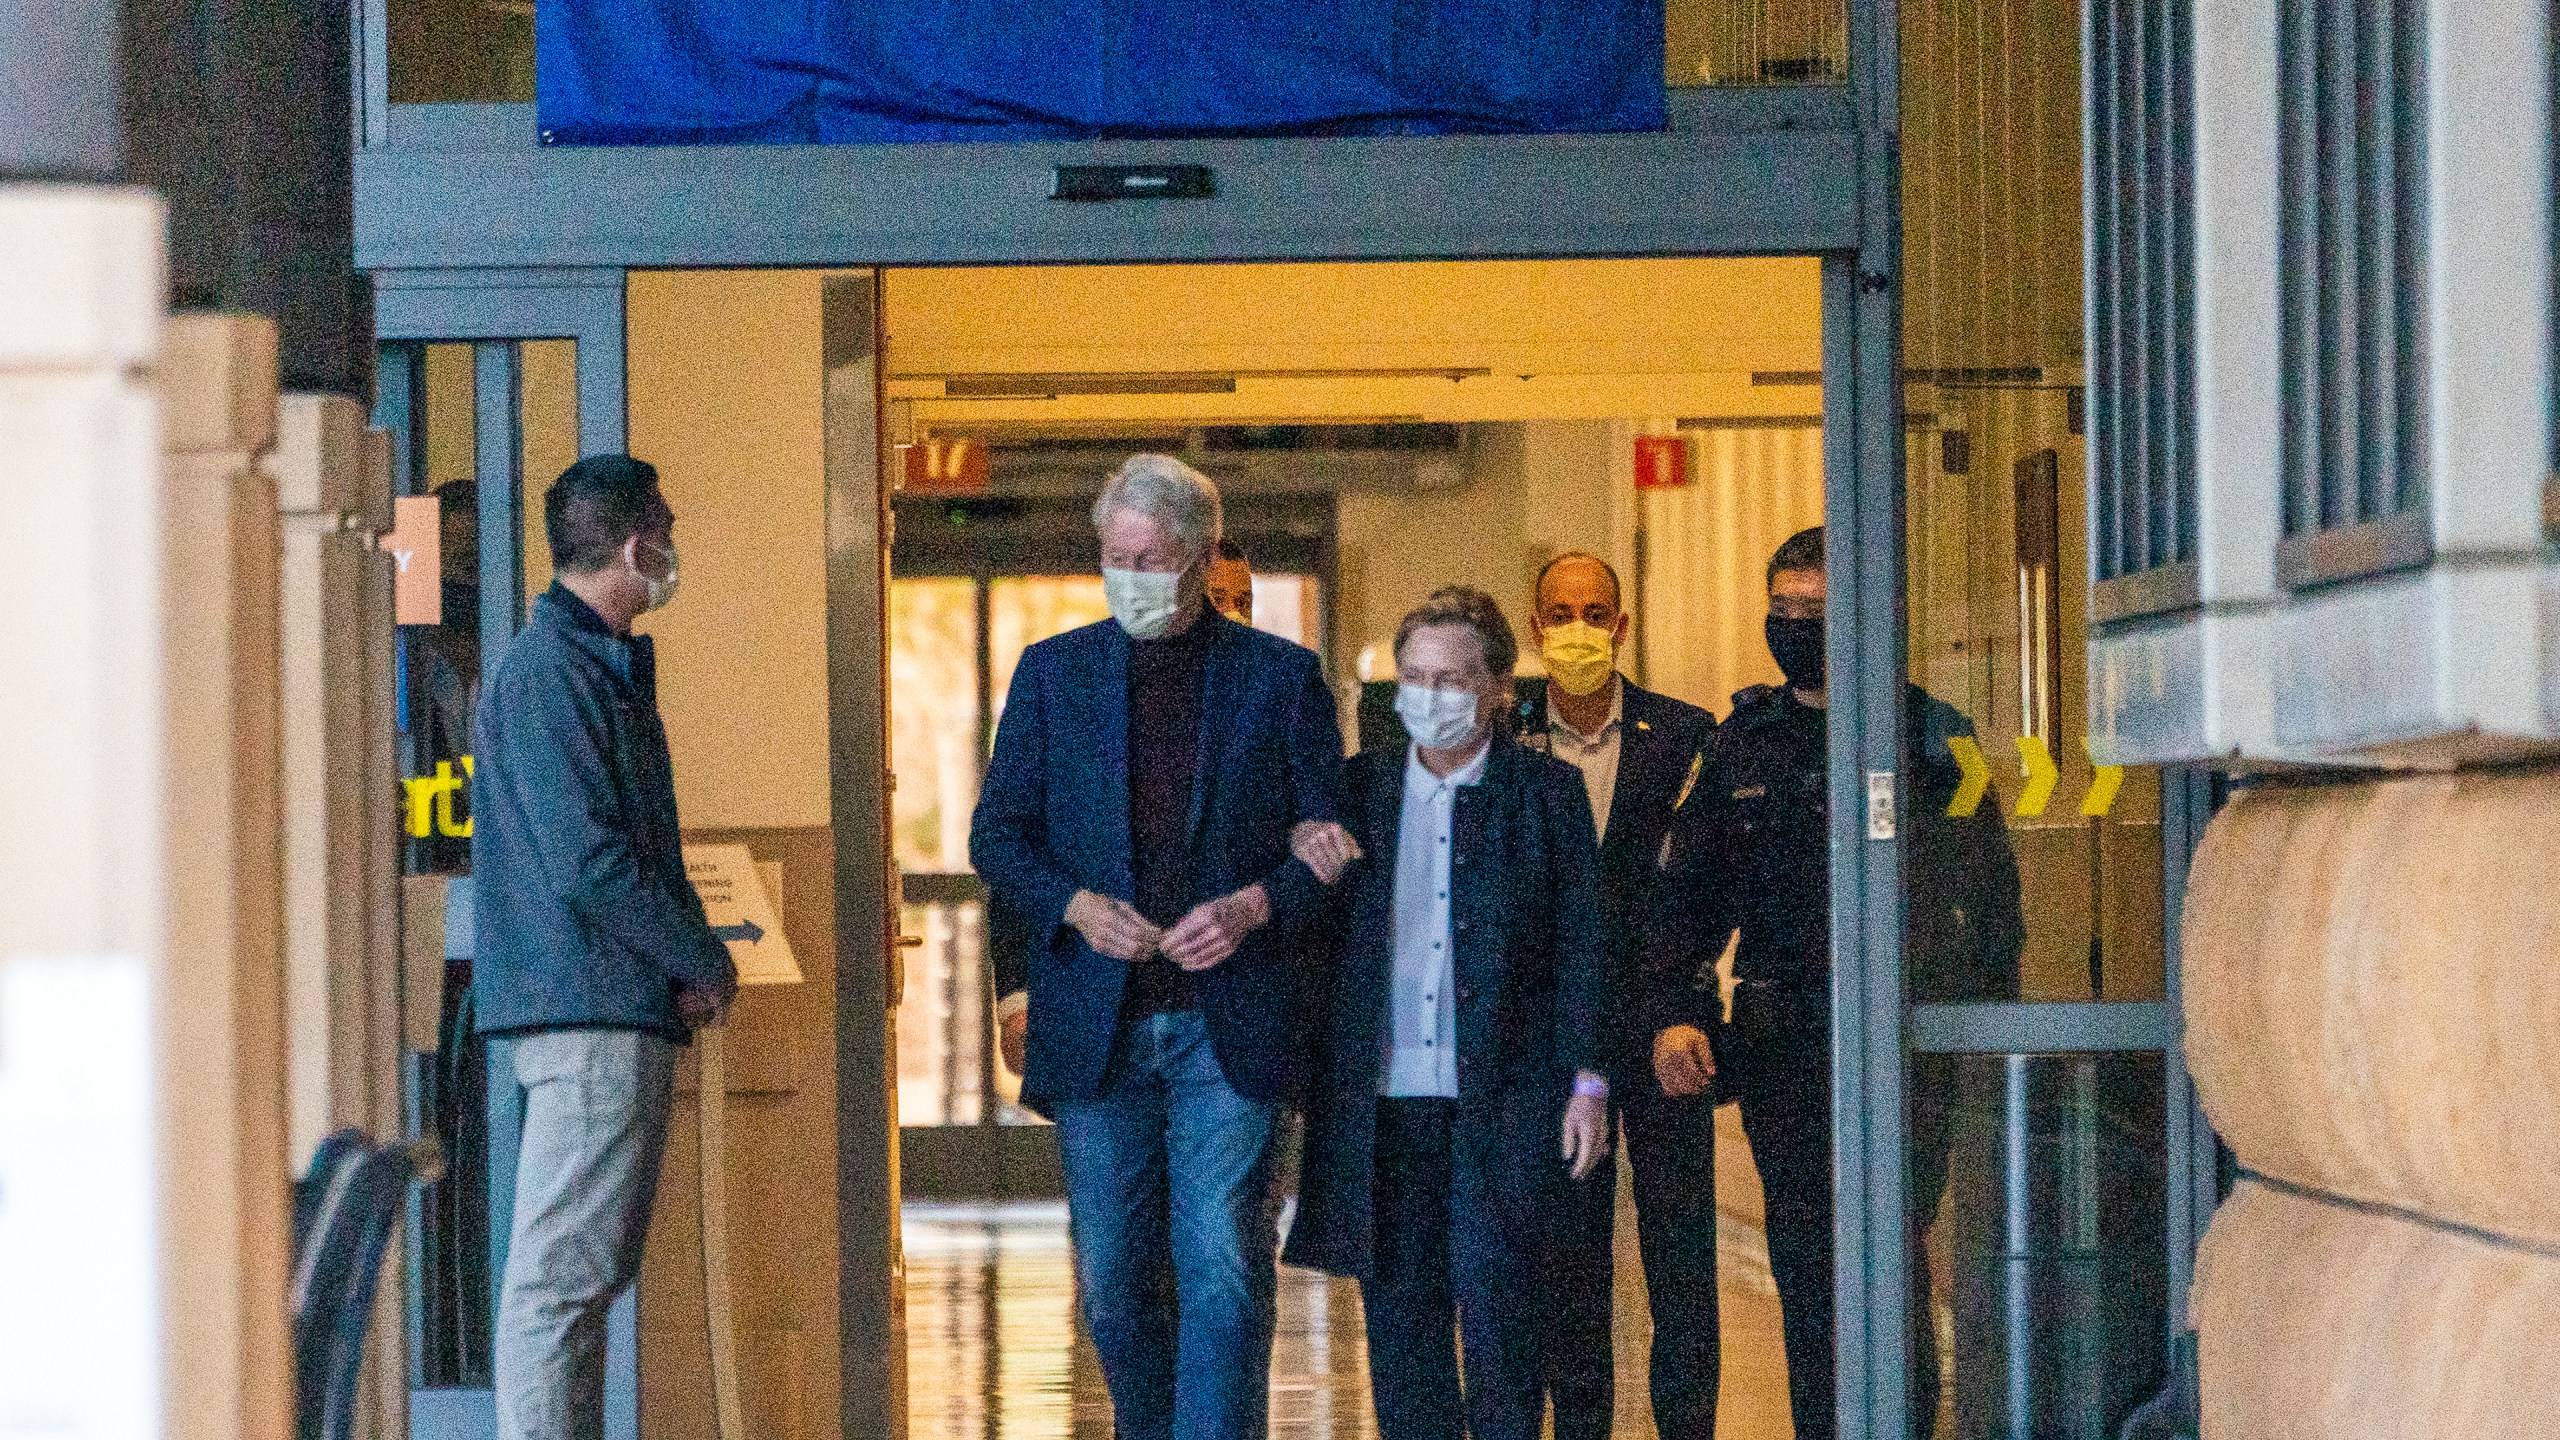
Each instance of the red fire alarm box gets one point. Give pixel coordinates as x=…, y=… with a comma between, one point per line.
x=1662, y=462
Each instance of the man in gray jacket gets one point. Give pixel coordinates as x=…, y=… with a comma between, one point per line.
x=593, y=959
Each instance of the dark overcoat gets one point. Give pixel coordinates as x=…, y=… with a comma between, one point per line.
x=1526, y=955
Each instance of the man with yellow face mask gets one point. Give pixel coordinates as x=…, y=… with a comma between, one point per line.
x=1639, y=754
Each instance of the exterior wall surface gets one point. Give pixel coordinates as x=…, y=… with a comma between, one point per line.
x=2370, y=1013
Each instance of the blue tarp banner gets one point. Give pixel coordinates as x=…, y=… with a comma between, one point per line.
x=640, y=72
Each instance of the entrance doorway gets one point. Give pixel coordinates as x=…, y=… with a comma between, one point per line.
x=1408, y=426
x=1458, y=421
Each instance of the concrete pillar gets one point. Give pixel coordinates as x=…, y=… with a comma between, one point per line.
x=2373, y=1022
x=142, y=1200
x=222, y=1008
x=340, y=788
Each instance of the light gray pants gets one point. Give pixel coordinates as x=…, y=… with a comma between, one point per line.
x=595, y=1124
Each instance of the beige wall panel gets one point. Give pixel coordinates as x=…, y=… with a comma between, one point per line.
x=422, y=962
x=1396, y=549
x=452, y=423
x=2316, y=1321
x=323, y=715
x=1567, y=495
x=724, y=393
x=222, y=1007
x=782, y=1191
x=548, y=432
x=2371, y=1003
x=1707, y=550
x=320, y=461
x=218, y=385
x=377, y=840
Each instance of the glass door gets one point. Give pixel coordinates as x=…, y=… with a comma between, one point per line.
x=2035, y=962
x=485, y=388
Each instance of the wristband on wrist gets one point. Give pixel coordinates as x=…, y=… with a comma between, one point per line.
x=1590, y=1085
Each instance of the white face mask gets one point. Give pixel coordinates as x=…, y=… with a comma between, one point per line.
x=1437, y=719
x=662, y=589
x=1145, y=602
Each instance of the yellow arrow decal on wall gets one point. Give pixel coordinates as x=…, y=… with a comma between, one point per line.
x=2104, y=782
x=2037, y=762
x=1976, y=772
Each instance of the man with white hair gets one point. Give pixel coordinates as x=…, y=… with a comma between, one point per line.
x=1149, y=776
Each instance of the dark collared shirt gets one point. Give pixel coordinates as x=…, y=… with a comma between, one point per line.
x=1164, y=760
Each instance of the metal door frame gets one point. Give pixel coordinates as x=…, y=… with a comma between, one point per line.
x=454, y=203
x=1875, y=1031
x=495, y=313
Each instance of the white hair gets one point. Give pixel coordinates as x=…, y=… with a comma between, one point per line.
x=1181, y=499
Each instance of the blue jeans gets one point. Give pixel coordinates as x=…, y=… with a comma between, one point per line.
x=1169, y=1162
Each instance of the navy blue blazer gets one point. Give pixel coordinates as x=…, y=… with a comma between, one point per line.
x=1053, y=818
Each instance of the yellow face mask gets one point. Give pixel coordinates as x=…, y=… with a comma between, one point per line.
x=1580, y=657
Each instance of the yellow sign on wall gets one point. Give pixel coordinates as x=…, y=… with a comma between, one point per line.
x=430, y=805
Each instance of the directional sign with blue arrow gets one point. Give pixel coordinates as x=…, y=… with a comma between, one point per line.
x=738, y=897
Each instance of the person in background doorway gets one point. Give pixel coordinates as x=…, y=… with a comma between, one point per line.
x=443, y=690
x=1231, y=583
x=1751, y=851
x=1229, y=586
x=593, y=957
x=444, y=671
x=1459, y=1106
x=1138, y=812
x=1640, y=755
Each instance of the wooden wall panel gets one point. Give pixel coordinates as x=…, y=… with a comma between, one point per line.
x=782, y=1190
x=341, y=896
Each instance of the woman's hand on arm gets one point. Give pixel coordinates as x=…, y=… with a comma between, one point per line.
x=1586, y=1123
x=1324, y=847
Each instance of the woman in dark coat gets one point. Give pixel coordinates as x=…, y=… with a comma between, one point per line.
x=1455, y=1099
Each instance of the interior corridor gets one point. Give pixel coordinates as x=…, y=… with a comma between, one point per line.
x=995, y=1351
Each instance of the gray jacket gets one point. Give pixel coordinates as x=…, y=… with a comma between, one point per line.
x=582, y=915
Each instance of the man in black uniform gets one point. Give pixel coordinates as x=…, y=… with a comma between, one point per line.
x=1640, y=755
x=1751, y=852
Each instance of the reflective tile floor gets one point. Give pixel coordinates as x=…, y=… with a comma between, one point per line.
x=994, y=1351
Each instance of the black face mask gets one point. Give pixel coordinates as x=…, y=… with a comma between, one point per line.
x=1797, y=644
